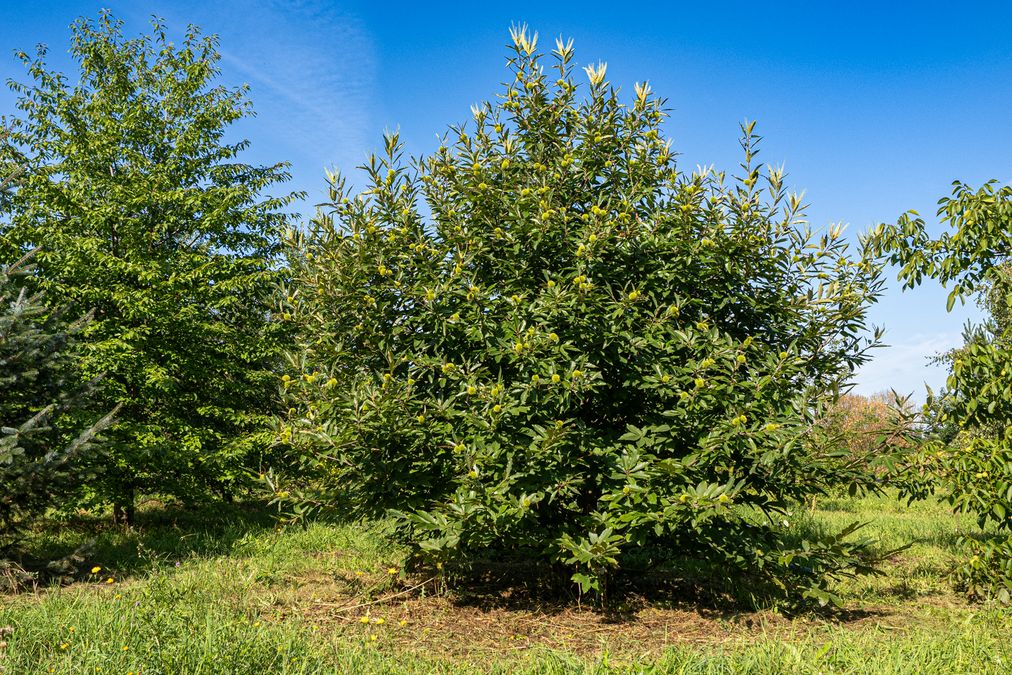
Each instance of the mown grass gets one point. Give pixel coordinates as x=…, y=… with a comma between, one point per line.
x=240, y=596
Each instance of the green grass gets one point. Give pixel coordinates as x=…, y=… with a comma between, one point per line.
x=243, y=597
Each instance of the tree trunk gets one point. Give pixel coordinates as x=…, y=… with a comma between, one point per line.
x=123, y=510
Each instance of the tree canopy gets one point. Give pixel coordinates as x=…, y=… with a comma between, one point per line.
x=147, y=216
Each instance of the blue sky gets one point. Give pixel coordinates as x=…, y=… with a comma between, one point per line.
x=874, y=108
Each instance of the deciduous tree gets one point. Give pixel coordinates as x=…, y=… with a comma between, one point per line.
x=148, y=217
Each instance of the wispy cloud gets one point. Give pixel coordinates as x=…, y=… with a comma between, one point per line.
x=312, y=69
x=320, y=65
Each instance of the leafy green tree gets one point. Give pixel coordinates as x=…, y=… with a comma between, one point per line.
x=546, y=339
x=968, y=459
x=149, y=218
x=41, y=405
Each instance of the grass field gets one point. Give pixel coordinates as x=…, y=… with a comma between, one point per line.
x=176, y=595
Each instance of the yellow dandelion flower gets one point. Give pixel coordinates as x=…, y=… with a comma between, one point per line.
x=379, y=621
x=364, y=619
x=402, y=623
x=555, y=378
x=472, y=390
x=665, y=378
x=577, y=373
x=553, y=337
x=373, y=638
x=110, y=580
x=551, y=284
x=64, y=645
x=125, y=648
x=723, y=499
x=459, y=447
x=633, y=295
x=96, y=569
x=392, y=570
x=497, y=408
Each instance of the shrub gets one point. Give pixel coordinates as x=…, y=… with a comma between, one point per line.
x=544, y=338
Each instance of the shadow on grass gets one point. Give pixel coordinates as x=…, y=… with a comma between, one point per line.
x=679, y=579
x=686, y=585
x=956, y=541
x=162, y=536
